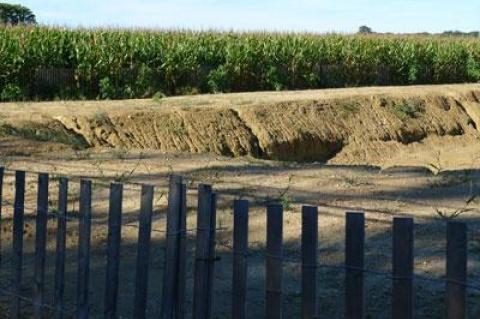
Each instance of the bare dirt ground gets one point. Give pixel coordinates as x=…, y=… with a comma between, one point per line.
x=343, y=126
x=422, y=162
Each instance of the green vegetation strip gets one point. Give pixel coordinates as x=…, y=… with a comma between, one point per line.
x=49, y=63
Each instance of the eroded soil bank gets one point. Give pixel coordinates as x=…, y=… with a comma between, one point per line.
x=346, y=126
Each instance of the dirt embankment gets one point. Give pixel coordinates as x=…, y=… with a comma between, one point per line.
x=365, y=126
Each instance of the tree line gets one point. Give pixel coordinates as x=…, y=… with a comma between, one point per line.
x=452, y=33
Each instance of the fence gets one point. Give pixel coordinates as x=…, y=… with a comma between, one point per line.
x=174, y=287
x=67, y=83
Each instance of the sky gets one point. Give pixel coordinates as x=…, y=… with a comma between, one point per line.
x=399, y=16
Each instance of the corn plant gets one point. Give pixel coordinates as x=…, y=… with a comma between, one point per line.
x=48, y=63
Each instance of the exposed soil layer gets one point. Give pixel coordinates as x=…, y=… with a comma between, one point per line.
x=370, y=125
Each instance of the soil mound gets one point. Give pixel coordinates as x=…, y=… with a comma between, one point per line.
x=367, y=126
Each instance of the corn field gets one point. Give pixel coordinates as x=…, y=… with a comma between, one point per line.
x=40, y=63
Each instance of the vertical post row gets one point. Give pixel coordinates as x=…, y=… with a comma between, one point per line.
x=60, y=247
x=201, y=298
x=309, y=261
x=402, y=293
x=240, y=250
x=2, y=173
x=143, y=251
x=84, y=229
x=273, y=260
x=172, y=244
x=456, y=269
x=113, y=250
x=354, y=261
x=40, y=245
x=182, y=257
x=18, y=219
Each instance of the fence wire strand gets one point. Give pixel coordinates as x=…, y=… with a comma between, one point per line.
x=225, y=244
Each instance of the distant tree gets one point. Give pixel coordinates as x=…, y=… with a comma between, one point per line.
x=15, y=14
x=456, y=33
x=365, y=30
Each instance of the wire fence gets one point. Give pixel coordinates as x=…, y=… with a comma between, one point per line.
x=214, y=255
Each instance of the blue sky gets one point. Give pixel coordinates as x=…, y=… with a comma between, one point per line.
x=280, y=15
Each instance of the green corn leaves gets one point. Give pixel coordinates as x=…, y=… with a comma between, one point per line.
x=48, y=63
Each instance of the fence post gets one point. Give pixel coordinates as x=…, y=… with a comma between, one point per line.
x=182, y=257
x=240, y=250
x=201, y=297
x=309, y=261
x=402, y=292
x=456, y=269
x=172, y=244
x=18, y=220
x=354, y=261
x=143, y=251
x=113, y=250
x=84, y=229
x=273, y=262
x=211, y=254
x=40, y=245
x=60, y=247
x=2, y=173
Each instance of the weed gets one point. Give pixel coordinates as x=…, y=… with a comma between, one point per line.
x=301, y=130
x=283, y=197
x=124, y=177
x=408, y=110
x=350, y=107
x=101, y=118
x=11, y=92
x=452, y=214
x=157, y=97
x=286, y=202
x=179, y=129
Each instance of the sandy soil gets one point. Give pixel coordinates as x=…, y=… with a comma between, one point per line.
x=430, y=178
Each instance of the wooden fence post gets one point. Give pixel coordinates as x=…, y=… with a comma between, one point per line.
x=2, y=173
x=211, y=254
x=84, y=230
x=182, y=257
x=172, y=245
x=60, y=247
x=143, y=252
x=354, y=262
x=309, y=261
x=113, y=250
x=240, y=251
x=402, y=292
x=456, y=269
x=17, y=243
x=201, y=297
x=40, y=245
x=273, y=262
